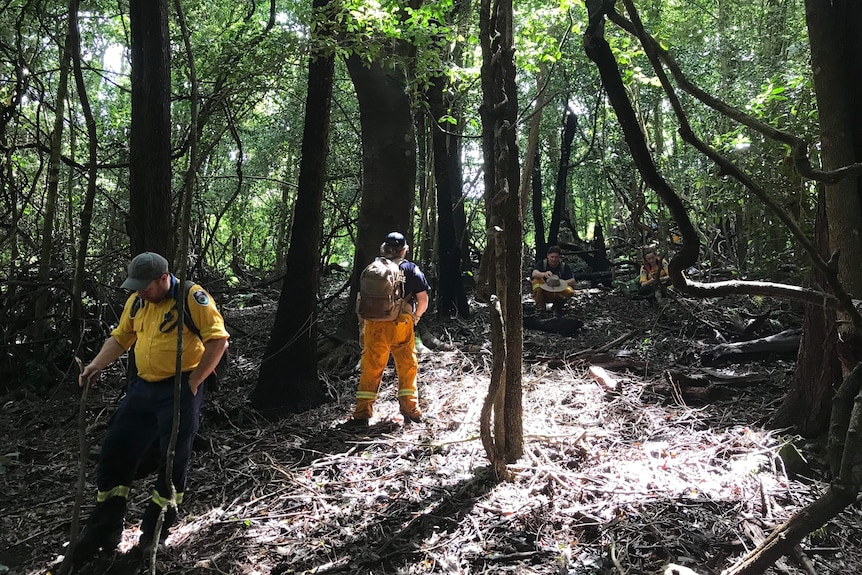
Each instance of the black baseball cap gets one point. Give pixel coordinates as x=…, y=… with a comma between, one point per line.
x=143, y=269
x=395, y=239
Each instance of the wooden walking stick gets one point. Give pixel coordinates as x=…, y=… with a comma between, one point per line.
x=67, y=566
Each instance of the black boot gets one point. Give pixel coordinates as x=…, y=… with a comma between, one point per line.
x=103, y=531
x=148, y=525
x=558, y=309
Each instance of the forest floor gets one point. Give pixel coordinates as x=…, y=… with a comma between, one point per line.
x=625, y=481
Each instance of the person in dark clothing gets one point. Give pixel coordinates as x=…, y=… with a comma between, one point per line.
x=552, y=280
x=144, y=417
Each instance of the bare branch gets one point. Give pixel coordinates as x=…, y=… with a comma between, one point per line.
x=798, y=147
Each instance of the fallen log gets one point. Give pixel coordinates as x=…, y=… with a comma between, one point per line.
x=784, y=344
x=605, y=360
x=704, y=385
x=705, y=376
x=608, y=346
x=684, y=395
x=567, y=326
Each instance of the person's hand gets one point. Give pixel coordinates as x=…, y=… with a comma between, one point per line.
x=89, y=376
x=548, y=274
x=194, y=385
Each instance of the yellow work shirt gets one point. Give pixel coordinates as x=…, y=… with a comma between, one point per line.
x=152, y=326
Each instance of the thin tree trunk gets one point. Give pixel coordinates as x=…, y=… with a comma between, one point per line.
x=292, y=346
x=532, y=152
x=538, y=215
x=561, y=187
x=46, y=259
x=92, y=170
x=451, y=297
x=808, y=402
x=505, y=226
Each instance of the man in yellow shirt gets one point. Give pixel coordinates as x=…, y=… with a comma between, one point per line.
x=145, y=415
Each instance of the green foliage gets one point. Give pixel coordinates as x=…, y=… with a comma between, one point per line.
x=252, y=82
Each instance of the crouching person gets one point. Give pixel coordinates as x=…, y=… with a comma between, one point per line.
x=144, y=417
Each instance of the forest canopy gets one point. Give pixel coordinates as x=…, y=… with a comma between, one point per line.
x=258, y=144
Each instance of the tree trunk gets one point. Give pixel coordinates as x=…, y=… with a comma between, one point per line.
x=92, y=172
x=388, y=164
x=451, y=297
x=808, y=402
x=288, y=379
x=46, y=258
x=559, y=213
x=536, y=209
x=836, y=57
x=513, y=226
x=531, y=154
x=502, y=184
x=149, y=223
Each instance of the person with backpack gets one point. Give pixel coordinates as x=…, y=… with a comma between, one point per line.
x=393, y=295
x=552, y=281
x=144, y=417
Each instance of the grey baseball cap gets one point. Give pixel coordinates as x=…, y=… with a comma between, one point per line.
x=143, y=269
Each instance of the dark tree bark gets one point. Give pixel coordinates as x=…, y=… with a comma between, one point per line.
x=388, y=164
x=149, y=223
x=536, y=208
x=599, y=263
x=92, y=167
x=836, y=58
x=451, y=297
x=502, y=184
x=808, y=402
x=782, y=344
x=560, y=188
x=288, y=380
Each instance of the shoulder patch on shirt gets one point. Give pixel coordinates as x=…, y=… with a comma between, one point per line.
x=201, y=297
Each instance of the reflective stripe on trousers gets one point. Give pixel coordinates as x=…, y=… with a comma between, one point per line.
x=145, y=415
x=379, y=340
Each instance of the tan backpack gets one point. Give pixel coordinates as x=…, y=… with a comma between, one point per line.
x=381, y=290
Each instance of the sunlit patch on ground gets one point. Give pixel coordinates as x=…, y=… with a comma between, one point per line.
x=631, y=480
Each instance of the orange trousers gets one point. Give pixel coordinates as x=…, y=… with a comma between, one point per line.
x=380, y=338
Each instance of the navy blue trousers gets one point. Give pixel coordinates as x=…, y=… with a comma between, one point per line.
x=142, y=421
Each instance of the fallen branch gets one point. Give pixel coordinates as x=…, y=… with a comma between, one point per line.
x=608, y=346
x=783, y=344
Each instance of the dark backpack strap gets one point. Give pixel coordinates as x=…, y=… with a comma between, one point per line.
x=187, y=320
x=136, y=306
x=187, y=316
